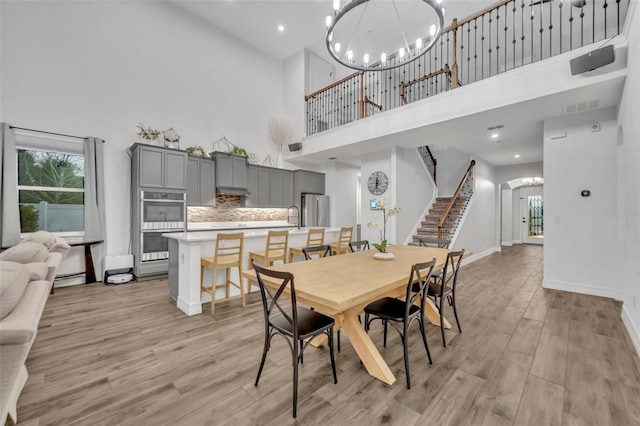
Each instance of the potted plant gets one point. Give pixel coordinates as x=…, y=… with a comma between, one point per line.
x=382, y=247
x=239, y=151
x=171, y=138
x=196, y=151
x=148, y=134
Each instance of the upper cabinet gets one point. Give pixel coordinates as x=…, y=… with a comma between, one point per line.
x=269, y=187
x=156, y=167
x=201, y=185
x=309, y=182
x=231, y=170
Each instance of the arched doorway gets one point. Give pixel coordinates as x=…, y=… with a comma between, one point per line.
x=522, y=211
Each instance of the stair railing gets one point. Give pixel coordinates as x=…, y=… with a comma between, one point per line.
x=449, y=219
x=429, y=161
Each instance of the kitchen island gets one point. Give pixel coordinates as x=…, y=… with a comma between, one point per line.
x=187, y=248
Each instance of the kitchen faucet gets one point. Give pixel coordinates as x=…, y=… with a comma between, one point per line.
x=297, y=214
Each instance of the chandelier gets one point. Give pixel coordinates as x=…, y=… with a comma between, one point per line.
x=529, y=181
x=366, y=49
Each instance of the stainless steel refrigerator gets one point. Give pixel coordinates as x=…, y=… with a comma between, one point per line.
x=315, y=210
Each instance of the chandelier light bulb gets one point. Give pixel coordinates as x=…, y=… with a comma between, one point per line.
x=401, y=53
x=440, y=1
x=337, y=48
x=383, y=58
x=366, y=59
x=328, y=21
x=418, y=44
x=432, y=30
x=336, y=5
x=349, y=55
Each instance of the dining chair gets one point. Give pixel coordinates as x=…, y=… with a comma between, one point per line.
x=320, y=251
x=445, y=287
x=344, y=238
x=358, y=245
x=395, y=311
x=315, y=237
x=275, y=249
x=227, y=255
x=297, y=325
x=434, y=242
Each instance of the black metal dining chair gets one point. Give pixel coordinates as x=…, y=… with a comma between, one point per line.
x=445, y=287
x=320, y=251
x=395, y=311
x=297, y=325
x=361, y=245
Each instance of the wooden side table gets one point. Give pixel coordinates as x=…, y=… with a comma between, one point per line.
x=89, y=272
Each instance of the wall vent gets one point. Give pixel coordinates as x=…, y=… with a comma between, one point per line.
x=581, y=106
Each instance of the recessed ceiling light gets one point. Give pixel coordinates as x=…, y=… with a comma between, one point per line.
x=494, y=135
x=281, y=28
x=516, y=156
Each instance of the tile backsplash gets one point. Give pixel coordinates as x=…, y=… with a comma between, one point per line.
x=229, y=209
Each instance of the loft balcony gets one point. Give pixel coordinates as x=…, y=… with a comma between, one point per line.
x=508, y=63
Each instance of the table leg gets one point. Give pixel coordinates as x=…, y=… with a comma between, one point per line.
x=367, y=351
x=90, y=273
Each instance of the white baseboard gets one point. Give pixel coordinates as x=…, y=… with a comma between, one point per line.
x=632, y=329
x=507, y=243
x=582, y=289
x=477, y=256
x=517, y=241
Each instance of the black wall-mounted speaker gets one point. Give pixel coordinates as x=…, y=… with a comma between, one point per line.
x=592, y=60
x=297, y=146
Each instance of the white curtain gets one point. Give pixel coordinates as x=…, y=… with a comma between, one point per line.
x=94, y=213
x=9, y=210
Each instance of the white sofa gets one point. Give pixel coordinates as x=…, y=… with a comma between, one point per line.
x=27, y=272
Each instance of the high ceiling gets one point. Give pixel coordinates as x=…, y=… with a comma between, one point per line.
x=256, y=22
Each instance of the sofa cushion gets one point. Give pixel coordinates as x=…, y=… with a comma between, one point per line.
x=14, y=278
x=42, y=237
x=21, y=325
x=26, y=252
x=60, y=246
x=37, y=270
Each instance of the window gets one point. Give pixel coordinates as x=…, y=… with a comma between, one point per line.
x=51, y=191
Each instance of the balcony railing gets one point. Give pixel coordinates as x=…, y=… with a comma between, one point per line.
x=507, y=35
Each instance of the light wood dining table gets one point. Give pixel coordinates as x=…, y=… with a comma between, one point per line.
x=341, y=286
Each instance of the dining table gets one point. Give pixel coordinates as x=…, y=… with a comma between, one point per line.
x=342, y=285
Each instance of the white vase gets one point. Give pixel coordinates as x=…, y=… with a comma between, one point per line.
x=383, y=256
x=279, y=160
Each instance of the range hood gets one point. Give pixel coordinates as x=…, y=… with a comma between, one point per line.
x=230, y=190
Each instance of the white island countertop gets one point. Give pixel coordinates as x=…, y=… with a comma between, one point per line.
x=190, y=237
x=217, y=226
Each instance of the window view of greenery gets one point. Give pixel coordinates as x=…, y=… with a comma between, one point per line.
x=51, y=191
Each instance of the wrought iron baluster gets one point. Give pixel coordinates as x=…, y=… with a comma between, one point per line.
x=550, y=29
x=475, y=49
x=541, y=31
x=570, y=27
x=522, y=32
x=482, y=49
x=490, y=49
x=605, y=6
x=531, y=26
x=581, y=26
x=513, y=22
x=498, y=41
x=506, y=16
x=560, y=21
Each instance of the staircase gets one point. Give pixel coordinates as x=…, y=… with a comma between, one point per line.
x=429, y=227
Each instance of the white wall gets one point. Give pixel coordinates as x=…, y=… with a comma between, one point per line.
x=99, y=68
x=506, y=173
x=371, y=163
x=452, y=165
x=340, y=183
x=506, y=207
x=580, y=235
x=478, y=233
x=415, y=191
x=294, y=105
x=628, y=209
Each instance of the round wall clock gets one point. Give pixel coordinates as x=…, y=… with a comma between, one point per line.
x=378, y=183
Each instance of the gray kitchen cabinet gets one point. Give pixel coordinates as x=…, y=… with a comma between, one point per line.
x=280, y=188
x=157, y=167
x=231, y=170
x=201, y=188
x=258, y=186
x=306, y=182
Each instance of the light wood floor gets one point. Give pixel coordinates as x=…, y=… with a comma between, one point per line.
x=126, y=355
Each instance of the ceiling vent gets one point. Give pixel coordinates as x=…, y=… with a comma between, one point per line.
x=497, y=126
x=581, y=106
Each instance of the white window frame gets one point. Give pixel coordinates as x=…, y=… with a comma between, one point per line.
x=36, y=141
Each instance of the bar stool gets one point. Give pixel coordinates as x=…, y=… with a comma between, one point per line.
x=275, y=249
x=228, y=254
x=342, y=245
x=315, y=237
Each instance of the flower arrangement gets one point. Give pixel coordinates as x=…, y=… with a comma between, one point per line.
x=280, y=130
x=148, y=133
x=387, y=212
x=197, y=151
